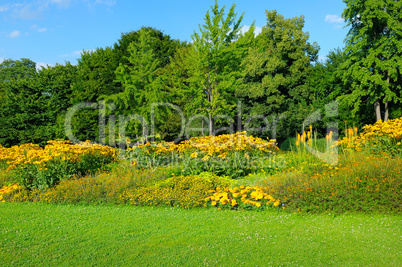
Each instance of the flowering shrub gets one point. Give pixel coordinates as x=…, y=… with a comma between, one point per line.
x=38, y=167
x=13, y=193
x=100, y=188
x=244, y=197
x=231, y=155
x=6, y=190
x=182, y=191
x=381, y=136
x=361, y=182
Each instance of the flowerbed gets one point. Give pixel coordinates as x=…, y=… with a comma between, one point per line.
x=362, y=181
x=37, y=167
x=233, y=155
x=379, y=137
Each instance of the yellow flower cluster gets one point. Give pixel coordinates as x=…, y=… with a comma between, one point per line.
x=305, y=137
x=182, y=191
x=391, y=129
x=8, y=189
x=215, y=145
x=243, y=197
x=31, y=153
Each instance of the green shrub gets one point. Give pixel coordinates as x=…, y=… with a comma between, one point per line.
x=362, y=182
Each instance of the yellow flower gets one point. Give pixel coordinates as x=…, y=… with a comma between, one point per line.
x=214, y=203
x=205, y=158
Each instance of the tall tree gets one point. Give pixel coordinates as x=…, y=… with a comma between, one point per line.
x=96, y=75
x=276, y=72
x=214, y=61
x=95, y=80
x=32, y=108
x=24, y=113
x=57, y=83
x=17, y=69
x=163, y=45
x=176, y=79
x=140, y=82
x=373, y=52
x=327, y=86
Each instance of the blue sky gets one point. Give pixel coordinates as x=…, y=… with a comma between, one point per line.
x=56, y=31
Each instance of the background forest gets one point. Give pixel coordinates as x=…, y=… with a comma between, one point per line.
x=223, y=77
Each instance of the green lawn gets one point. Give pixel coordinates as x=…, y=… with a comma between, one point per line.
x=40, y=234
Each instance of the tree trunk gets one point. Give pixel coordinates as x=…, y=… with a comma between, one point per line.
x=386, y=115
x=377, y=109
x=211, y=124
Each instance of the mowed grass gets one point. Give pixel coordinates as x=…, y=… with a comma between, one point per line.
x=72, y=235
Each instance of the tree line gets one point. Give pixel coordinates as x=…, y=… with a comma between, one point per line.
x=224, y=79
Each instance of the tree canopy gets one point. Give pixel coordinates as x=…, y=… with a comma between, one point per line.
x=373, y=54
x=147, y=84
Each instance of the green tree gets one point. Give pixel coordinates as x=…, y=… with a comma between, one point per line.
x=140, y=55
x=96, y=75
x=327, y=86
x=95, y=80
x=373, y=54
x=176, y=79
x=140, y=82
x=32, y=109
x=17, y=69
x=325, y=79
x=163, y=46
x=276, y=72
x=18, y=99
x=57, y=83
x=24, y=113
x=14, y=70
x=213, y=75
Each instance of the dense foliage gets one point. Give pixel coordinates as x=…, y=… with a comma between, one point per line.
x=148, y=86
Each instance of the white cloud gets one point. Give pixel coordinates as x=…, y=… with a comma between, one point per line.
x=34, y=9
x=28, y=11
x=4, y=8
x=105, y=2
x=333, y=19
x=36, y=27
x=14, y=34
x=246, y=28
x=61, y=3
